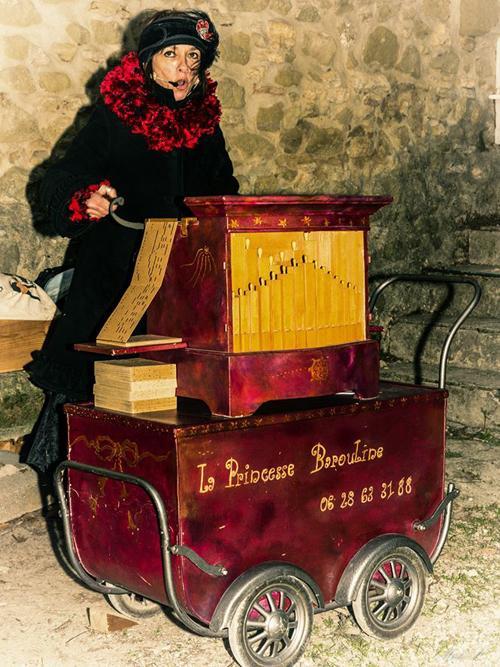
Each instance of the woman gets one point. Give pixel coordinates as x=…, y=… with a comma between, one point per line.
x=153, y=139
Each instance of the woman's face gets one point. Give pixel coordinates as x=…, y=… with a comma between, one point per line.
x=176, y=68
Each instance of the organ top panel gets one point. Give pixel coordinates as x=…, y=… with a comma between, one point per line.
x=283, y=212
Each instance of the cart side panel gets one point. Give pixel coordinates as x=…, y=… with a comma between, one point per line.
x=114, y=525
x=310, y=492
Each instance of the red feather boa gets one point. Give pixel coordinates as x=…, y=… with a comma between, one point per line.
x=124, y=91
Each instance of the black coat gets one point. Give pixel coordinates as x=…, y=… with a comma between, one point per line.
x=153, y=184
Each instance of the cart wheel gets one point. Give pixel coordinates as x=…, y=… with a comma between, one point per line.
x=271, y=624
x=391, y=594
x=133, y=606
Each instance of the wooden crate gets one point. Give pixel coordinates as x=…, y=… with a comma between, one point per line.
x=18, y=339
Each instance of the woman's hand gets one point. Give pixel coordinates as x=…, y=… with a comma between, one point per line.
x=98, y=202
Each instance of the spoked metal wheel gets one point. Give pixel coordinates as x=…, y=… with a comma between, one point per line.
x=391, y=594
x=133, y=605
x=271, y=624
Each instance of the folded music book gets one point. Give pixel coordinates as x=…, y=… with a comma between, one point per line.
x=134, y=385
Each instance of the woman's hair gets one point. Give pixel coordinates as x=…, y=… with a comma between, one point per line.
x=170, y=26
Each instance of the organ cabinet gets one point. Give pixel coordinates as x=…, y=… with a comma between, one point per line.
x=270, y=295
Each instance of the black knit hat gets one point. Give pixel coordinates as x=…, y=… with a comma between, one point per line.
x=192, y=27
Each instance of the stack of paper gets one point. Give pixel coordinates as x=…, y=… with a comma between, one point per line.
x=134, y=385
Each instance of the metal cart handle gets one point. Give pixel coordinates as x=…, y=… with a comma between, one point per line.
x=119, y=201
x=166, y=549
x=423, y=278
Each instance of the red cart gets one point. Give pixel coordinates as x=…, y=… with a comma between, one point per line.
x=247, y=526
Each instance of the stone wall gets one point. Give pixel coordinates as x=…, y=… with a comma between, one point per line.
x=320, y=96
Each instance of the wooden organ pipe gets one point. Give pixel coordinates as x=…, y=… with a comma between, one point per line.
x=311, y=294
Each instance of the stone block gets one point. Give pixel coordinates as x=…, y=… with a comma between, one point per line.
x=246, y=5
x=106, y=32
x=20, y=404
x=16, y=47
x=236, y=48
x=385, y=10
x=288, y=76
x=282, y=39
x=410, y=62
x=78, y=33
x=18, y=78
x=360, y=143
x=291, y=139
x=16, y=122
x=19, y=488
x=320, y=46
x=232, y=95
x=447, y=62
x=484, y=246
x=437, y=9
x=54, y=82
x=323, y=142
x=344, y=117
x=253, y=145
x=403, y=136
x=266, y=184
x=269, y=118
x=381, y=48
x=459, y=296
x=309, y=14
x=110, y=8
x=19, y=13
x=343, y=6
x=13, y=185
x=233, y=118
x=64, y=51
x=10, y=254
x=474, y=399
x=475, y=346
x=477, y=17
x=281, y=6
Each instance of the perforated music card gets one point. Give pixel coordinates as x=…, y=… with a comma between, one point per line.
x=147, y=278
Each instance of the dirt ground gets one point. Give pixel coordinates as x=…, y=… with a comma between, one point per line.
x=44, y=617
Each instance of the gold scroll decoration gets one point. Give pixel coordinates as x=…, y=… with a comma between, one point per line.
x=147, y=278
x=295, y=290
